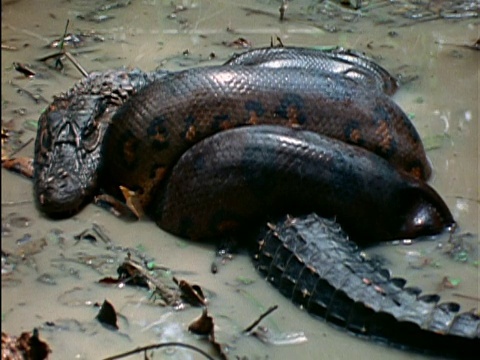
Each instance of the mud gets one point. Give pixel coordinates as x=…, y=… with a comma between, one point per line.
x=50, y=279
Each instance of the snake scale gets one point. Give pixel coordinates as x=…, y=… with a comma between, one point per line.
x=213, y=151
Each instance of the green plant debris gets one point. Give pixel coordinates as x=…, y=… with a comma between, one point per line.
x=141, y=248
x=454, y=281
x=434, y=141
x=182, y=244
x=31, y=125
x=461, y=256
x=244, y=280
x=252, y=299
x=419, y=100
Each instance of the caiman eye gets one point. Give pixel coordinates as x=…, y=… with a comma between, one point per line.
x=91, y=136
x=45, y=140
x=92, y=132
x=48, y=125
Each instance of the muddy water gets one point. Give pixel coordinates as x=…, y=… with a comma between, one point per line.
x=51, y=279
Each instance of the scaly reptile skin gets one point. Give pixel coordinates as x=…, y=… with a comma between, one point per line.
x=171, y=112
x=237, y=178
x=348, y=63
x=70, y=134
x=70, y=131
x=312, y=261
x=152, y=129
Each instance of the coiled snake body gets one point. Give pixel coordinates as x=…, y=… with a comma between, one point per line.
x=212, y=151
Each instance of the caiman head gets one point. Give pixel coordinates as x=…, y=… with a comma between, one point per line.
x=67, y=153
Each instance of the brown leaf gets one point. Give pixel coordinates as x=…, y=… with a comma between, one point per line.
x=133, y=202
x=202, y=325
x=193, y=294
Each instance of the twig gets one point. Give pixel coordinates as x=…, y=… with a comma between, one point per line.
x=422, y=20
x=65, y=53
x=60, y=53
x=15, y=203
x=70, y=56
x=282, y=9
x=9, y=47
x=21, y=147
x=36, y=98
x=24, y=69
x=256, y=322
x=76, y=63
x=158, y=346
x=469, y=297
x=64, y=35
x=170, y=297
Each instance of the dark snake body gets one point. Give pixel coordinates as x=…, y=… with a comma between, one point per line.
x=151, y=131
x=235, y=179
x=348, y=63
x=157, y=116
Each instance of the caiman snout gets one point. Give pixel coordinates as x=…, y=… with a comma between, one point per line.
x=55, y=195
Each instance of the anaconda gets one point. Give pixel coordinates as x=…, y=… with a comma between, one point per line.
x=70, y=131
x=338, y=60
x=243, y=177
x=237, y=178
x=151, y=131
x=192, y=104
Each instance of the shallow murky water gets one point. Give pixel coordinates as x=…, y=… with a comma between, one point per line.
x=52, y=281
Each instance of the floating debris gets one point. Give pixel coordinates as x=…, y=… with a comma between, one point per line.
x=239, y=43
x=266, y=336
x=28, y=246
x=282, y=9
x=98, y=15
x=107, y=315
x=133, y=273
x=7, y=266
x=193, y=294
x=27, y=346
x=450, y=283
x=75, y=40
x=24, y=69
x=202, y=325
x=22, y=166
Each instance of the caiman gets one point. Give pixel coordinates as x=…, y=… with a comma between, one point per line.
x=139, y=130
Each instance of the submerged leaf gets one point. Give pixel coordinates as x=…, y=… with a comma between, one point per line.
x=244, y=280
x=434, y=141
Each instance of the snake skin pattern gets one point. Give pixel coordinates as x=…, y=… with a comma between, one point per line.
x=216, y=150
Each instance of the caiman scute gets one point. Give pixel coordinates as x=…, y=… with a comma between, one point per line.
x=312, y=261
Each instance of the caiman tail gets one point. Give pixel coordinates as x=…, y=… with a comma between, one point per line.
x=312, y=261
